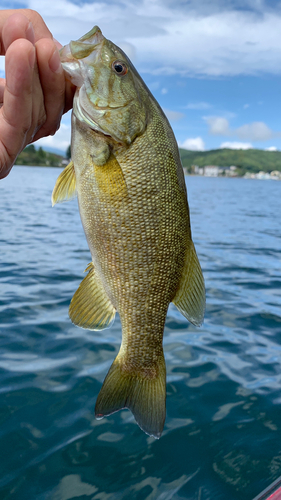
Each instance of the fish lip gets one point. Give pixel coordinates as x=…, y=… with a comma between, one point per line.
x=93, y=38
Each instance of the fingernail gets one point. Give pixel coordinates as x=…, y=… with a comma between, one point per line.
x=31, y=57
x=30, y=33
x=54, y=62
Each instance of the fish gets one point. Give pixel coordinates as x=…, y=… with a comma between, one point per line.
x=126, y=171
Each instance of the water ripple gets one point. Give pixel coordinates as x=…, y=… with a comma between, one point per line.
x=222, y=433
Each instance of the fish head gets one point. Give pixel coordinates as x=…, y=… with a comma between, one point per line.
x=107, y=98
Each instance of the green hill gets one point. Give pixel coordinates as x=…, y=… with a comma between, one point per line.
x=38, y=157
x=250, y=160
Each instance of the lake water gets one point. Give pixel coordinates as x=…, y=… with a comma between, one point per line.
x=222, y=437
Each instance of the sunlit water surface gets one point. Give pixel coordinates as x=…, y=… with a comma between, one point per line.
x=222, y=437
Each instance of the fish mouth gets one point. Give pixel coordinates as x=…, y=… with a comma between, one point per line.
x=74, y=54
x=83, y=47
x=78, y=60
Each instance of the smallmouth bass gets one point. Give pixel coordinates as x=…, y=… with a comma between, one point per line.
x=127, y=173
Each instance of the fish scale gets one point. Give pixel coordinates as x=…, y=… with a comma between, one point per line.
x=133, y=205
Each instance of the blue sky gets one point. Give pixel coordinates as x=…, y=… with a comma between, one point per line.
x=213, y=65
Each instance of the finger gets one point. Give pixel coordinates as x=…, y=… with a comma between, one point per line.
x=17, y=26
x=69, y=87
x=16, y=112
x=53, y=85
x=38, y=106
x=2, y=86
x=39, y=26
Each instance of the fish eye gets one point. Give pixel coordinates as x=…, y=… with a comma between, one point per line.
x=120, y=68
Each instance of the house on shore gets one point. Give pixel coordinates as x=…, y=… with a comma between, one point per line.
x=215, y=171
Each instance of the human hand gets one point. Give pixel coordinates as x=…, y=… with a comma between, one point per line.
x=35, y=93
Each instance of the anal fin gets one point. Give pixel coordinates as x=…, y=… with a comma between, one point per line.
x=90, y=307
x=65, y=187
x=190, y=297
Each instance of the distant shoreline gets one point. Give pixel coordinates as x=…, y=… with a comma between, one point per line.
x=185, y=174
x=250, y=163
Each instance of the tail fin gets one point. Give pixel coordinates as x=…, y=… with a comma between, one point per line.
x=143, y=395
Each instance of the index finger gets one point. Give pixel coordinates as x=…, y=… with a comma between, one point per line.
x=20, y=19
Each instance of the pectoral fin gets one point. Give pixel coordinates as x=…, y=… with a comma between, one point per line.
x=90, y=306
x=190, y=297
x=65, y=188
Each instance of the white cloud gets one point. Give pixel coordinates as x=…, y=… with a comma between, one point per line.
x=164, y=91
x=129, y=50
x=198, y=105
x=236, y=145
x=217, y=125
x=271, y=148
x=173, y=116
x=256, y=131
x=227, y=43
x=167, y=40
x=194, y=144
x=246, y=106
